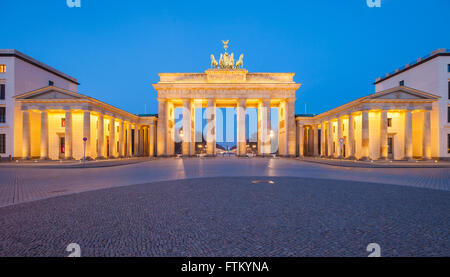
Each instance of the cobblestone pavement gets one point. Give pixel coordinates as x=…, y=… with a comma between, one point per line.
x=24, y=184
x=233, y=217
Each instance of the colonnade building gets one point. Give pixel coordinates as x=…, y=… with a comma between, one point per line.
x=42, y=114
x=408, y=117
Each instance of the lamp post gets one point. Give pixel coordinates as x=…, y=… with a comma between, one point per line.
x=84, y=151
x=341, y=143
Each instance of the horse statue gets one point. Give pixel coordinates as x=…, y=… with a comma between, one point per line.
x=240, y=62
x=221, y=61
x=214, y=63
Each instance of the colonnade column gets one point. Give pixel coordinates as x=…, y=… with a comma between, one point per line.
x=193, y=135
x=339, y=150
x=101, y=137
x=129, y=142
x=316, y=140
x=187, y=127
x=112, y=138
x=330, y=138
x=151, y=141
x=241, y=129
x=68, y=135
x=323, y=140
x=383, y=135
x=140, y=140
x=211, y=127
x=146, y=141
x=426, y=135
x=162, y=128
x=351, y=137
x=87, y=133
x=44, y=135
x=265, y=140
x=290, y=124
x=136, y=140
x=121, y=139
x=26, y=135
x=310, y=138
x=408, y=135
x=301, y=143
x=365, y=135
x=143, y=141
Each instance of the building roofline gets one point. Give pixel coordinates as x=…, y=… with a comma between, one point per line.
x=76, y=94
x=431, y=97
x=147, y=115
x=30, y=60
x=305, y=115
x=419, y=61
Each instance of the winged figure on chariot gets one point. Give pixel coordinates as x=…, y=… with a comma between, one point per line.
x=226, y=60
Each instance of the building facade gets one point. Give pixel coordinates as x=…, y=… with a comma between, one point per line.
x=430, y=73
x=408, y=117
x=42, y=114
x=393, y=124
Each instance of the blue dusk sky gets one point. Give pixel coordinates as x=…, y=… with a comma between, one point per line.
x=117, y=48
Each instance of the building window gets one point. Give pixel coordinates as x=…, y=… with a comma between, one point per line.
x=3, y=91
x=448, y=143
x=3, y=143
x=449, y=90
x=448, y=114
x=402, y=83
x=389, y=122
x=63, y=122
x=448, y=68
x=2, y=114
x=50, y=83
x=2, y=68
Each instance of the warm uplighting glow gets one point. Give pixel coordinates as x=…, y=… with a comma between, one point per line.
x=2, y=68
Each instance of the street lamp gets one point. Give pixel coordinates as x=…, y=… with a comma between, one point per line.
x=84, y=151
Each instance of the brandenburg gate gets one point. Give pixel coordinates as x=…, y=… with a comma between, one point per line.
x=226, y=85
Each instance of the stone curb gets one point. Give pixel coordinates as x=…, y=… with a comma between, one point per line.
x=374, y=165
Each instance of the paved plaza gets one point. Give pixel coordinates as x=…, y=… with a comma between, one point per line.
x=212, y=207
